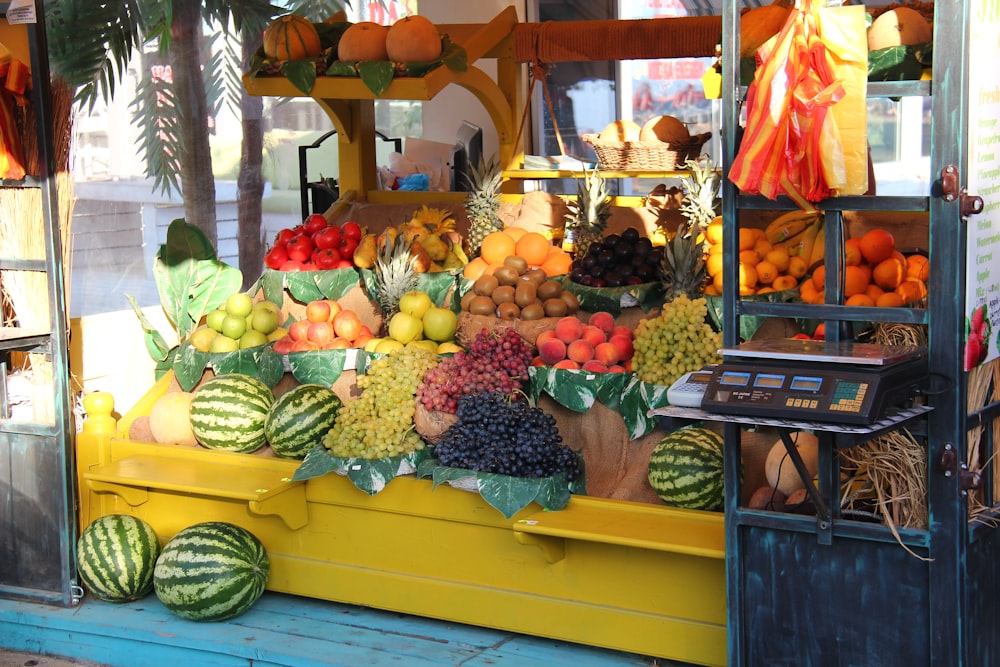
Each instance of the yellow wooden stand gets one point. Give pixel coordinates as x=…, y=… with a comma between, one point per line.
x=627, y=576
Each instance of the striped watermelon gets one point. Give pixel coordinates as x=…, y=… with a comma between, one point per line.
x=115, y=557
x=228, y=412
x=211, y=571
x=299, y=419
x=685, y=469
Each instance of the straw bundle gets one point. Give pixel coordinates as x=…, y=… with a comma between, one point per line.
x=983, y=386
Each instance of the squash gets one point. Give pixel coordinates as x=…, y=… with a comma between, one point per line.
x=779, y=469
x=758, y=25
x=363, y=41
x=291, y=37
x=413, y=39
x=170, y=419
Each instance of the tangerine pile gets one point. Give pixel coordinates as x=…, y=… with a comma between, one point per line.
x=875, y=274
x=763, y=268
x=536, y=250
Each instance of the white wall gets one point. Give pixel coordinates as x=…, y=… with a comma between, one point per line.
x=444, y=114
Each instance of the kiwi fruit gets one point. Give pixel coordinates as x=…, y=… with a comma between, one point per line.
x=485, y=284
x=533, y=311
x=506, y=275
x=525, y=293
x=466, y=298
x=508, y=311
x=516, y=262
x=482, y=305
x=572, y=303
x=555, y=307
x=550, y=289
x=536, y=275
x=503, y=294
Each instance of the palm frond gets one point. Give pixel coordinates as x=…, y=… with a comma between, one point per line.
x=246, y=16
x=156, y=114
x=317, y=10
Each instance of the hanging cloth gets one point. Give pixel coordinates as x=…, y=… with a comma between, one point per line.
x=805, y=133
x=14, y=80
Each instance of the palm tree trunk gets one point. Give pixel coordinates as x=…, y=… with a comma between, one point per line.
x=250, y=182
x=197, y=181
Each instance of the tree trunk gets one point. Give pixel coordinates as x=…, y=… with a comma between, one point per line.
x=197, y=180
x=250, y=182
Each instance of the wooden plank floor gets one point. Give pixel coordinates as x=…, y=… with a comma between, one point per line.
x=281, y=630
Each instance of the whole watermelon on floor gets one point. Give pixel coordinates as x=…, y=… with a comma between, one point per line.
x=685, y=469
x=116, y=555
x=300, y=418
x=211, y=571
x=228, y=412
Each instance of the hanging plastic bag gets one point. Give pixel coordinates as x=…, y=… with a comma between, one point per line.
x=806, y=124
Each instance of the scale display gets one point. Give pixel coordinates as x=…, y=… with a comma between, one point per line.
x=829, y=391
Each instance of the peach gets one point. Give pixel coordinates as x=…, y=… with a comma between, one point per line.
x=567, y=364
x=593, y=335
x=580, y=351
x=594, y=366
x=624, y=345
x=552, y=351
x=616, y=369
x=607, y=353
x=549, y=334
x=603, y=320
x=622, y=330
x=537, y=361
x=569, y=329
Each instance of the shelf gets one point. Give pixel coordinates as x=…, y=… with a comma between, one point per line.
x=915, y=203
x=543, y=174
x=27, y=340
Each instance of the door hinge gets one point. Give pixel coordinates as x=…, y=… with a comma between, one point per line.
x=951, y=190
x=951, y=466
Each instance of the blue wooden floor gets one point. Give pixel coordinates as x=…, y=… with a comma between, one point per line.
x=280, y=630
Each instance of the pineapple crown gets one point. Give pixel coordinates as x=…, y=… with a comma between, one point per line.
x=701, y=194
x=592, y=206
x=394, y=273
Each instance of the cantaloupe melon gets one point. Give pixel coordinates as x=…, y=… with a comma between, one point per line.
x=413, y=39
x=779, y=469
x=170, y=418
x=291, y=37
x=621, y=130
x=664, y=128
x=363, y=41
x=902, y=26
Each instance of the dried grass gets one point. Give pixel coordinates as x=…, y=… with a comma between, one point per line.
x=983, y=387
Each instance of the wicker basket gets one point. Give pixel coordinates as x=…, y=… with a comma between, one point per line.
x=645, y=155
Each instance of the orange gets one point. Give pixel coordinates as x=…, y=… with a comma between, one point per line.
x=474, y=268
x=888, y=273
x=717, y=282
x=911, y=291
x=779, y=257
x=797, y=266
x=533, y=247
x=784, y=282
x=747, y=238
x=819, y=277
x=711, y=291
x=855, y=280
x=767, y=289
x=859, y=299
x=807, y=289
x=917, y=266
x=766, y=272
x=713, y=233
x=748, y=276
x=874, y=291
x=852, y=252
x=762, y=246
x=515, y=232
x=715, y=249
x=714, y=264
x=876, y=245
x=749, y=257
x=496, y=247
x=889, y=300
x=557, y=264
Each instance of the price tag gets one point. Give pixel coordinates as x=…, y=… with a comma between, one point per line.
x=21, y=11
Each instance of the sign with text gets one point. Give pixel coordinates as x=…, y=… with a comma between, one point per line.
x=982, y=307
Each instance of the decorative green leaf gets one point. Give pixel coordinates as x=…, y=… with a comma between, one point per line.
x=638, y=398
x=189, y=365
x=368, y=283
x=610, y=387
x=376, y=74
x=185, y=242
x=302, y=286
x=301, y=73
x=595, y=299
x=572, y=389
x=509, y=495
x=368, y=475
x=330, y=33
x=341, y=68
x=899, y=63
x=462, y=286
x=335, y=283
x=155, y=343
x=437, y=284
x=554, y=493
x=273, y=284
x=319, y=366
x=748, y=323
x=455, y=56
x=261, y=362
x=316, y=463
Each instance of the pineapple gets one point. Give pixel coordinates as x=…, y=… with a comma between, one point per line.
x=395, y=273
x=483, y=203
x=588, y=214
x=683, y=261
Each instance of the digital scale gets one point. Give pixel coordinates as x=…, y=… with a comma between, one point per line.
x=850, y=383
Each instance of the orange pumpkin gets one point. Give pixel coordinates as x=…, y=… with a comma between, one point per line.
x=760, y=24
x=291, y=37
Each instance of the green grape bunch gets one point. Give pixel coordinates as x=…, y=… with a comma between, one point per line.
x=677, y=341
x=379, y=423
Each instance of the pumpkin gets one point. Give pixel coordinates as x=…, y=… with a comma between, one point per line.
x=902, y=26
x=291, y=37
x=758, y=25
x=620, y=130
x=779, y=469
x=413, y=39
x=363, y=41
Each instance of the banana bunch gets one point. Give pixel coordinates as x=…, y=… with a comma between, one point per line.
x=800, y=233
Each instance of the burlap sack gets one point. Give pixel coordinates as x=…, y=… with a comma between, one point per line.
x=469, y=326
x=431, y=424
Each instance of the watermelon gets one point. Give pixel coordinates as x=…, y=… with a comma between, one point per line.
x=211, y=571
x=228, y=412
x=115, y=557
x=299, y=419
x=685, y=469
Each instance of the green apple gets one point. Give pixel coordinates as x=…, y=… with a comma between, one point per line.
x=405, y=327
x=239, y=304
x=252, y=339
x=415, y=302
x=224, y=344
x=267, y=305
x=234, y=326
x=264, y=320
x=214, y=319
x=440, y=324
x=201, y=338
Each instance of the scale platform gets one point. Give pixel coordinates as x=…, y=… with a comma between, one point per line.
x=846, y=382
